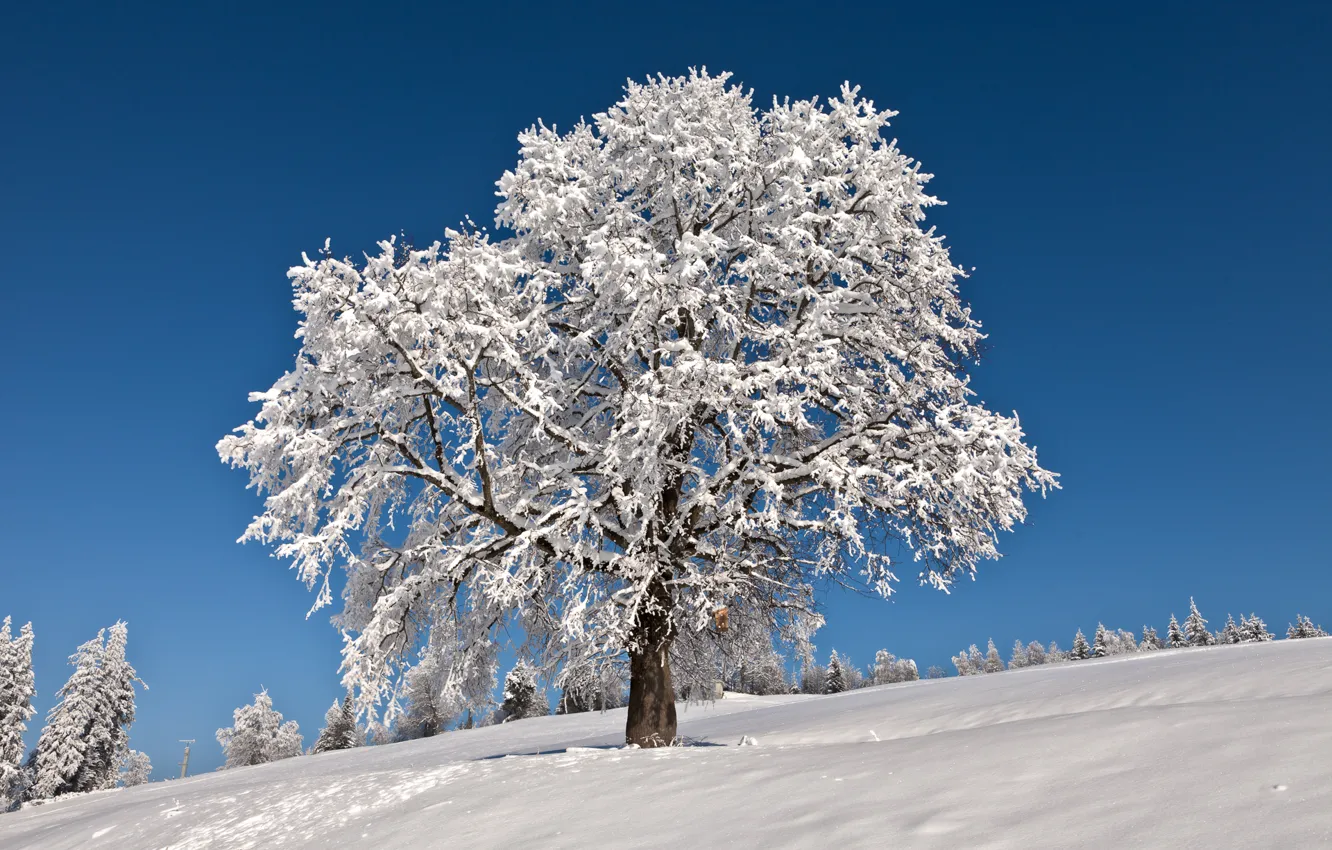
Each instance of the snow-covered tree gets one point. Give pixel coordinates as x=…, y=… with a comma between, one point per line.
x=1174, y=636
x=1304, y=628
x=1195, y=627
x=1080, y=650
x=1253, y=629
x=87, y=731
x=585, y=686
x=17, y=688
x=889, y=669
x=1149, y=641
x=1055, y=655
x=963, y=664
x=1099, y=647
x=439, y=689
x=743, y=656
x=340, y=731
x=935, y=672
x=993, y=662
x=1018, y=658
x=259, y=735
x=1127, y=643
x=975, y=659
x=523, y=696
x=1035, y=653
x=1230, y=632
x=134, y=769
x=718, y=355
x=813, y=677
x=836, y=682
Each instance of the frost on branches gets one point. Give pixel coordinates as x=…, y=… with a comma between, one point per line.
x=17, y=688
x=87, y=732
x=258, y=735
x=717, y=357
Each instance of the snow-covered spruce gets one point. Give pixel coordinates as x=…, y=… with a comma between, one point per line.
x=720, y=358
x=17, y=688
x=1195, y=627
x=86, y=736
x=523, y=696
x=259, y=735
x=340, y=731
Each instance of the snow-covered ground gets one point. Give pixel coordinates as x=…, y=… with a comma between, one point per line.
x=1223, y=747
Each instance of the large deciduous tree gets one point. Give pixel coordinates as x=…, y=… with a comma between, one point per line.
x=715, y=355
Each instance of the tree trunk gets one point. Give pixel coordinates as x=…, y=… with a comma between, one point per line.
x=651, y=721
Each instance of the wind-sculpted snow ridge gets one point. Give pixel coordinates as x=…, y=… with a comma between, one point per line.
x=1226, y=746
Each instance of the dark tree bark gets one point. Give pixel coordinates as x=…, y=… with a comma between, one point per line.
x=651, y=720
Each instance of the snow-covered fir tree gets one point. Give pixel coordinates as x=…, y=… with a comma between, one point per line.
x=717, y=356
x=1254, y=630
x=1174, y=636
x=1055, y=655
x=135, y=768
x=935, y=672
x=993, y=662
x=963, y=664
x=975, y=659
x=1018, y=658
x=837, y=681
x=523, y=696
x=17, y=688
x=1150, y=641
x=889, y=669
x=813, y=677
x=340, y=731
x=1080, y=650
x=259, y=735
x=1127, y=643
x=1099, y=647
x=1304, y=628
x=1035, y=653
x=1195, y=627
x=87, y=731
x=1230, y=632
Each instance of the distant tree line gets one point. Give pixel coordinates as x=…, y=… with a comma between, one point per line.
x=1106, y=642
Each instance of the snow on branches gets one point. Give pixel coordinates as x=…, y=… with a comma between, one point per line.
x=717, y=357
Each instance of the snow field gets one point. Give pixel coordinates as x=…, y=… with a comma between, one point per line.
x=1220, y=747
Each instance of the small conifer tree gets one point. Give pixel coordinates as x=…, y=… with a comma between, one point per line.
x=1035, y=653
x=836, y=676
x=1099, y=647
x=1174, y=635
x=993, y=662
x=1195, y=627
x=1080, y=649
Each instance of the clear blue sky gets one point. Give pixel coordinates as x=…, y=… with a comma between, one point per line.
x=1144, y=194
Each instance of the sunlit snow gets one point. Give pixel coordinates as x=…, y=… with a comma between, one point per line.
x=1220, y=747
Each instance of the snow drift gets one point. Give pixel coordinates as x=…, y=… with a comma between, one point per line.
x=1226, y=746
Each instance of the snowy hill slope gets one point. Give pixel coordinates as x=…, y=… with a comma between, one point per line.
x=1223, y=747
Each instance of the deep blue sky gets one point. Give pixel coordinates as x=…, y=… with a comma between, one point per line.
x=1144, y=194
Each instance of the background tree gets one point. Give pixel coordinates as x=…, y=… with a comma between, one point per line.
x=1304, y=628
x=1230, y=632
x=135, y=768
x=1099, y=647
x=1054, y=654
x=259, y=735
x=1035, y=653
x=523, y=696
x=87, y=731
x=588, y=686
x=1149, y=640
x=1174, y=636
x=717, y=357
x=1195, y=627
x=440, y=688
x=935, y=672
x=1018, y=658
x=993, y=662
x=1253, y=629
x=1080, y=650
x=837, y=682
x=1127, y=643
x=340, y=731
x=17, y=688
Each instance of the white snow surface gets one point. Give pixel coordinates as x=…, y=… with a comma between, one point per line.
x=1226, y=746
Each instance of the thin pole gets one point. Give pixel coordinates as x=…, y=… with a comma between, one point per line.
x=185, y=762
